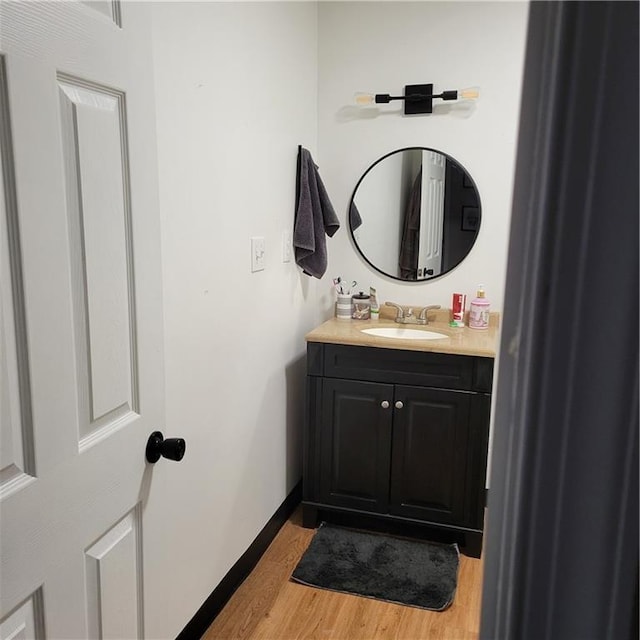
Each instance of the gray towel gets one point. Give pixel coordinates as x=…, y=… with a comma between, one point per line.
x=354, y=216
x=408, y=261
x=315, y=216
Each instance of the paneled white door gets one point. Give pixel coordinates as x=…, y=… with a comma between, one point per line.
x=81, y=335
x=431, y=214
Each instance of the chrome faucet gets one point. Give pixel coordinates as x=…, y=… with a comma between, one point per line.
x=399, y=311
x=422, y=318
x=408, y=317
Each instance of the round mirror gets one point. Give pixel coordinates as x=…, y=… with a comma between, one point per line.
x=415, y=214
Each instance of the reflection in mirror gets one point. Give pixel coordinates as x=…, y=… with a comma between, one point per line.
x=415, y=214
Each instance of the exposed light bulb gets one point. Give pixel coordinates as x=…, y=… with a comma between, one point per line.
x=364, y=99
x=471, y=93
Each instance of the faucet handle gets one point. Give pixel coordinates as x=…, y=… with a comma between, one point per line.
x=423, y=312
x=400, y=310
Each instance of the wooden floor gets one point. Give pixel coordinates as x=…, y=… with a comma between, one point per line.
x=271, y=607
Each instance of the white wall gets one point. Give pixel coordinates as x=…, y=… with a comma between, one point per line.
x=239, y=86
x=380, y=47
x=236, y=94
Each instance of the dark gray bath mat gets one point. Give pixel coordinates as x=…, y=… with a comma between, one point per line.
x=411, y=572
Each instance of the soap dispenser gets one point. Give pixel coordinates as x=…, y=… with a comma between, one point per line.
x=479, y=312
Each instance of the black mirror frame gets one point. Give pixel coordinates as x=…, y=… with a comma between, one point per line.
x=351, y=202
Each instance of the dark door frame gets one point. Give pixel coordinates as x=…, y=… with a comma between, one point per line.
x=561, y=557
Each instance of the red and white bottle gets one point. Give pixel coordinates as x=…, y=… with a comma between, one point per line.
x=479, y=311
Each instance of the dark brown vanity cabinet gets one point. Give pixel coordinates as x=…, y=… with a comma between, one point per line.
x=401, y=435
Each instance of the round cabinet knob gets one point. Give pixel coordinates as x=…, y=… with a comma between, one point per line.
x=384, y=404
x=399, y=405
x=171, y=448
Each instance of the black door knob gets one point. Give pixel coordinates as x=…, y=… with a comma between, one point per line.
x=171, y=448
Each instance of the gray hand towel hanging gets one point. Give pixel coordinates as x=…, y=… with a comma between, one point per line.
x=408, y=261
x=315, y=217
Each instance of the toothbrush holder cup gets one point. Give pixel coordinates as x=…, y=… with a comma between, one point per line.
x=343, y=306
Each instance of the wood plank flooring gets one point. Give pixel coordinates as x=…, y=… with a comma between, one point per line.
x=268, y=606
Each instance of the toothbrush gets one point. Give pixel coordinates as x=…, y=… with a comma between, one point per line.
x=337, y=285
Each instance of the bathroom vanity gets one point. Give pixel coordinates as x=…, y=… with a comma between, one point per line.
x=397, y=429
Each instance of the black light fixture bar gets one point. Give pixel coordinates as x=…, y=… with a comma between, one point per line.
x=418, y=98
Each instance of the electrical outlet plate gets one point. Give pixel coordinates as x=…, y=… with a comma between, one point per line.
x=257, y=253
x=287, y=246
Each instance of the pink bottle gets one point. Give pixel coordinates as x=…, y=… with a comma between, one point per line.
x=479, y=312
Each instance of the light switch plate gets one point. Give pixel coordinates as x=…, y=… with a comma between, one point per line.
x=257, y=253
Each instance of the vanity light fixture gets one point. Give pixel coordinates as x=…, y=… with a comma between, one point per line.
x=418, y=98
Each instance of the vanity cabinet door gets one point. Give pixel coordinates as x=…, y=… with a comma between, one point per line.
x=430, y=454
x=355, y=455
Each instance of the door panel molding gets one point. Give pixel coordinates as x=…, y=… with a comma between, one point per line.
x=94, y=134
x=113, y=584
x=17, y=466
x=109, y=8
x=26, y=620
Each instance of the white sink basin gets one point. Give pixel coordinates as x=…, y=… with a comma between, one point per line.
x=404, y=334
